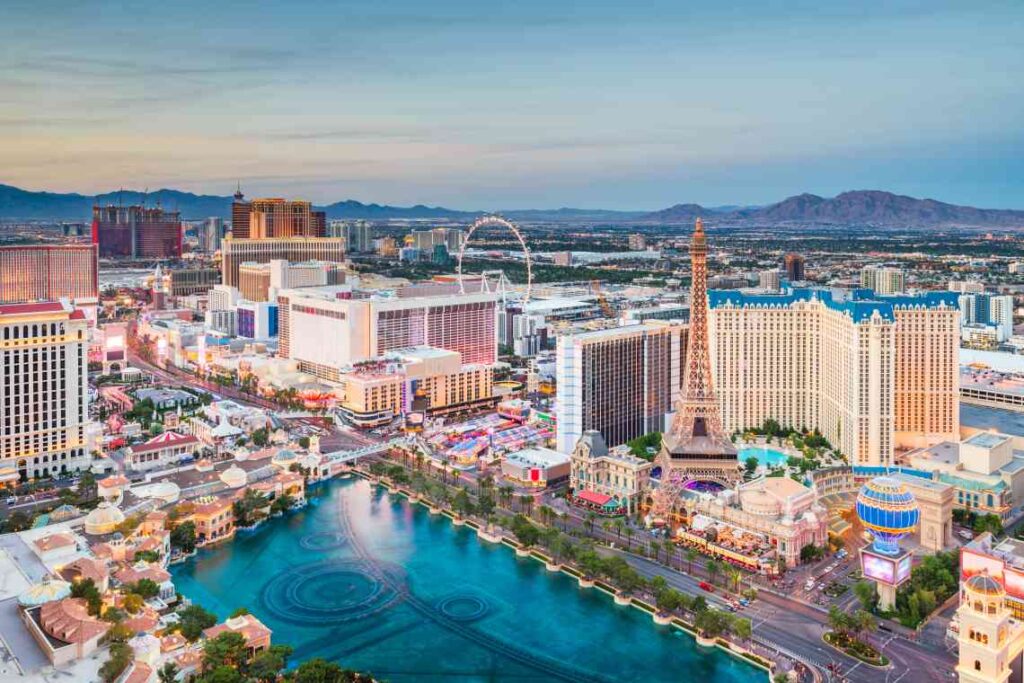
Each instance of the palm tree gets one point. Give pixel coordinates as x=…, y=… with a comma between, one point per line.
x=546, y=514
x=590, y=519
x=713, y=568
x=690, y=554
x=168, y=673
x=526, y=501
x=619, y=525
x=629, y=537
x=670, y=550
x=444, y=470
x=607, y=526
x=735, y=576
x=505, y=494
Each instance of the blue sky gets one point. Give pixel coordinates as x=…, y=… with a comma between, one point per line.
x=491, y=105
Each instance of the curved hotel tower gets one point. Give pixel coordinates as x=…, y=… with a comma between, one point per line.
x=873, y=373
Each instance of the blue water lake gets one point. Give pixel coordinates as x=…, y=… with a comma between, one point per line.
x=377, y=584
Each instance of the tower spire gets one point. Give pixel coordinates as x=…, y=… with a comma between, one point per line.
x=695, y=449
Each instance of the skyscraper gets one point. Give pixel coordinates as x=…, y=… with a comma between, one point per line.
x=136, y=232
x=621, y=382
x=695, y=448
x=358, y=236
x=240, y=210
x=44, y=397
x=234, y=252
x=275, y=217
x=210, y=234
x=872, y=373
x=374, y=324
x=883, y=280
x=42, y=272
x=794, y=267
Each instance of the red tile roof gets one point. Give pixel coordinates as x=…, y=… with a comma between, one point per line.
x=41, y=307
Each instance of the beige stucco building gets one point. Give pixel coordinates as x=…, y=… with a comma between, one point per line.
x=873, y=373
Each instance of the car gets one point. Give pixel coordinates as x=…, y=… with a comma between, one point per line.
x=809, y=585
x=704, y=585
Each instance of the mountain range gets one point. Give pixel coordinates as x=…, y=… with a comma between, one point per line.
x=859, y=207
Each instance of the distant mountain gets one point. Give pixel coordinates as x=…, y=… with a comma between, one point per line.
x=857, y=208
x=571, y=215
x=353, y=209
x=876, y=208
x=18, y=203
x=680, y=213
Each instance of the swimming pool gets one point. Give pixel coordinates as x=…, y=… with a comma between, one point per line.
x=765, y=456
x=366, y=579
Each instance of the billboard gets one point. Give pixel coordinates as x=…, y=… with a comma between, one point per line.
x=903, y=569
x=878, y=568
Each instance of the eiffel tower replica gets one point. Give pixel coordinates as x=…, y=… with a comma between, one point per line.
x=695, y=449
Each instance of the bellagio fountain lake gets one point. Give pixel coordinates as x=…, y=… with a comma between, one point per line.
x=377, y=584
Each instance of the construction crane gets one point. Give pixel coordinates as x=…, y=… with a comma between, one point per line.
x=602, y=301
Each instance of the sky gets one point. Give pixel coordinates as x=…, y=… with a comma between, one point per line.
x=529, y=104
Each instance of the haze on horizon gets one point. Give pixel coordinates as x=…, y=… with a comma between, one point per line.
x=516, y=104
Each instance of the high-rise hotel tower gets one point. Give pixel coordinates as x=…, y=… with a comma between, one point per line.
x=872, y=373
x=44, y=394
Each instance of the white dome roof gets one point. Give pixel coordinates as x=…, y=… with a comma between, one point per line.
x=233, y=477
x=103, y=519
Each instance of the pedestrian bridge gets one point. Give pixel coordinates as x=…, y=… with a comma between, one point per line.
x=372, y=449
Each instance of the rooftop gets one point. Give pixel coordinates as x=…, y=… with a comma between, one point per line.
x=859, y=304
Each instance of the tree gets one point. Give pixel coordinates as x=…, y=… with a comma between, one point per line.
x=260, y=437
x=193, y=620
x=865, y=592
x=183, y=537
x=249, y=509
x=485, y=503
x=713, y=568
x=222, y=674
x=120, y=657
x=712, y=623
x=750, y=464
x=525, y=532
x=282, y=503
x=267, y=665
x=318, y=671
x=132, y=603
x=742, y=628
x=227, y=649
x=810, y=552
x=690, y=554
x=526, y=503
x=463, y=505
x=168, y=673
x=145, y=588
x=87, y=590
x=735, y=576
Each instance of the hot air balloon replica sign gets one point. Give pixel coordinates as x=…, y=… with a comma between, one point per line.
x=888, y=511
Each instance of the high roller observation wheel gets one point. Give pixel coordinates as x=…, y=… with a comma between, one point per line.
x=505, y=223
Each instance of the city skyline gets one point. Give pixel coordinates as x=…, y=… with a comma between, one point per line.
x=532, y=105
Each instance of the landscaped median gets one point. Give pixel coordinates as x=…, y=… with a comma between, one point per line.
x=856, y=648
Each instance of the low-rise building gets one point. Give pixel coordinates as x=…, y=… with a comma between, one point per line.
x=256, y=634
x=64, y=629
x=166, y=450
x=984, y=471
x=615, y=473
x=536, y=467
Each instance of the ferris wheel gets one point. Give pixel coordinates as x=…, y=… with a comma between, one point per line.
x=494, y=219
